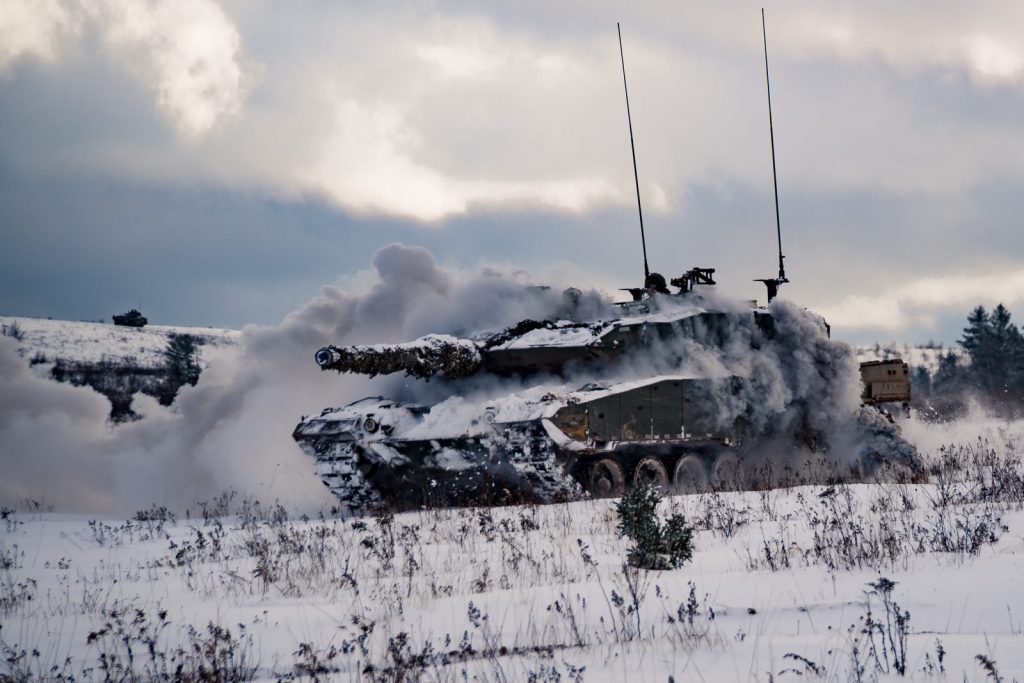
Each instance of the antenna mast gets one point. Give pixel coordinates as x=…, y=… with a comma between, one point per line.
x=632, y=147
x=773, y=284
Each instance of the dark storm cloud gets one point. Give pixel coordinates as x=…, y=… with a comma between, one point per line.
x=221, y=179
x=83, y=248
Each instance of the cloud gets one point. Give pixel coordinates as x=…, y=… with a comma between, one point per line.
x=187, y=52
x=191, y=54
x=367, y=164
x=919, y=301
x=473, y=62
x=891, y=122
x=432, y=113
x=980, y=42
x=994, y=60
x=34, y=28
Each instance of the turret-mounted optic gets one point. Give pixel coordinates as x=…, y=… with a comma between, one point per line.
x=655, y=283
x=694, y=276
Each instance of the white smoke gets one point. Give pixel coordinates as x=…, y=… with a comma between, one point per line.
x=978, y=426
x=232, y=431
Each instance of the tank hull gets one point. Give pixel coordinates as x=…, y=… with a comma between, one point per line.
x=548, y=446
x=462, y=472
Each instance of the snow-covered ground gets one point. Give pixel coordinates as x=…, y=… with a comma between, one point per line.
x=92, y=342
x=783, y=585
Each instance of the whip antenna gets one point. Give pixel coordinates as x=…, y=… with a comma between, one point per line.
x=632, y=147
x=773, y=284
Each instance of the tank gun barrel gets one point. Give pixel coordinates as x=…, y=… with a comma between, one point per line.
x=426, y=357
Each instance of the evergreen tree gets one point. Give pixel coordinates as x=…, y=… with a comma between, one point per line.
x=947, y=399
x=999, y=355
x=181, y=360
x=999, y=321
x=977, y=328
x=996, y=348
x=1015, y=363
x=921, y=381
x=979, y=341
x=948, y=372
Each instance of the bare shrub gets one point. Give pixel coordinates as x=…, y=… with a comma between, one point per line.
x=12, y=330
x=131, y=645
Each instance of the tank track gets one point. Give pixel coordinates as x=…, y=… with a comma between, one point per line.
x=337, y=466
x=542, y=475
x=536, y=461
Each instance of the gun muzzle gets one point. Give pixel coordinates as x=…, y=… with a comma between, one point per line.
x=326, y=356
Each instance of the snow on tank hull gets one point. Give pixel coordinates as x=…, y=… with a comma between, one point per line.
x=544, y=447
x=375, y=453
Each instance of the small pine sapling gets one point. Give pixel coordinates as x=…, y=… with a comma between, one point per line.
x=655, y=545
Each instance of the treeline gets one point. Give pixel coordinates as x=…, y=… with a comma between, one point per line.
x=990, y=371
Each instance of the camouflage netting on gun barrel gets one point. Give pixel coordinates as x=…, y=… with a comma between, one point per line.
x=425, y=357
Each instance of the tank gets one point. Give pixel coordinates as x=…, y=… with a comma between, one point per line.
x=680, y=390
x=131, y=319
x=646, y=397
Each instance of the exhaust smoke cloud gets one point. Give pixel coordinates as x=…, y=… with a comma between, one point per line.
x=232, y=431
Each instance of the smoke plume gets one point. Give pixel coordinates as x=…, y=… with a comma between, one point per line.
x=232, y=431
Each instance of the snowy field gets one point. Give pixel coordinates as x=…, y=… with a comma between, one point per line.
x=784, y=585
x=91, y=342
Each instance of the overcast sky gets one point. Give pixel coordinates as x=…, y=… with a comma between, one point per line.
x=220, y=160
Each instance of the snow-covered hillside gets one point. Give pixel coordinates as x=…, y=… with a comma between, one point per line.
x=91, y=342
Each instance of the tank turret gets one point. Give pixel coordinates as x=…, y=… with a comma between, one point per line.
x=536, y=346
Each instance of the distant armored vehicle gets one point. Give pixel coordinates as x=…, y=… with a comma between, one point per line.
x=885, y=381
x=131, y=319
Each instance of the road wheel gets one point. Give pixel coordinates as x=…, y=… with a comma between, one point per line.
x=606, y=479
x=652, y=472
x=690, y=476
x=727, y=473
